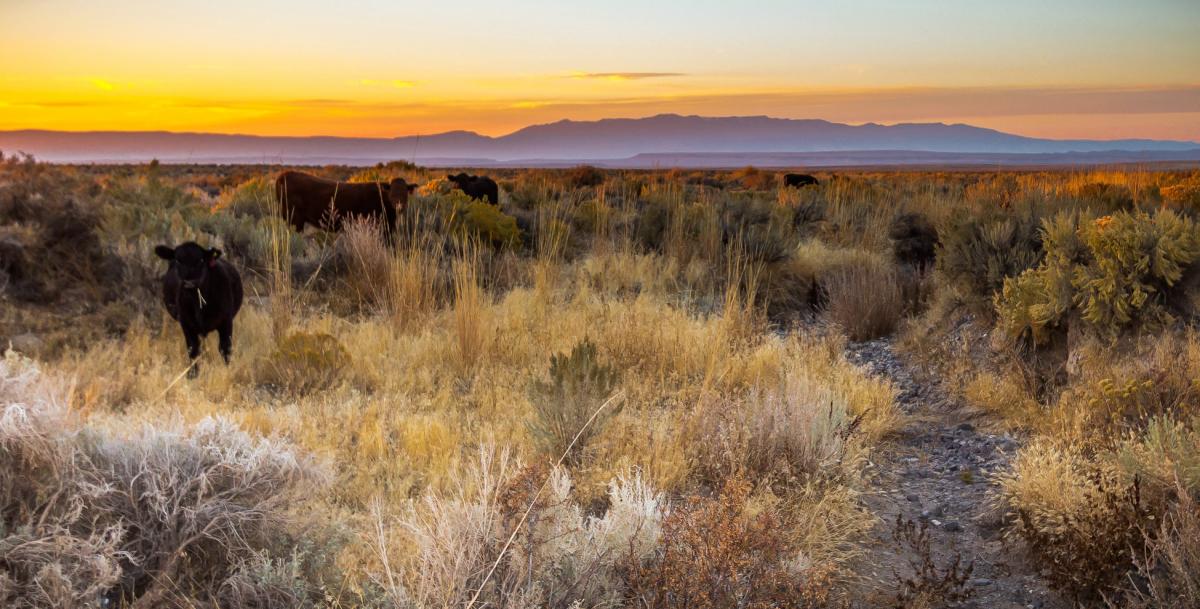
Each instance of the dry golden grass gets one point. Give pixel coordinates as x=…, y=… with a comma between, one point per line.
x=404, y=418
x=865, y=301
x=425, y=423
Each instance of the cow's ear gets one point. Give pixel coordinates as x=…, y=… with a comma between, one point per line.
x=165, y=252
x=213, y=255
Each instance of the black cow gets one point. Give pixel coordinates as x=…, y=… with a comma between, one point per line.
x=203, y=292
x=307, y=199
x=799, y=180
x=477, y=187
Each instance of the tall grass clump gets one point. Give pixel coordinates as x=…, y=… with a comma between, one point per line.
x=469, y=323
x=865, y=301
x=280, y=292
x=414, y=283
x=368, y=261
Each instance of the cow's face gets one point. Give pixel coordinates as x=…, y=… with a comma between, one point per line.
x=191, y=262
x=457, y=178
x=398, y=191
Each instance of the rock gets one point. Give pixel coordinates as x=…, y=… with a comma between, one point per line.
x=966, y=427
x=951, y=527
x=912, y=497
x=981, y=582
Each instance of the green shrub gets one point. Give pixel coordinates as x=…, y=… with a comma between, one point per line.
x=147, y=208
x=754, y=178
x=999, y=191
x=1113, y=272
x=254, y=198
x=592, y=217
x=651, y=225
x=977, y=256
x=304, y=363
x=1105, y=197
x=914, y=240
x=385, y=172
x=1184, y=196
x=491, y=225
x=1166, y=457
x=759, y=228
x=579, y=385
x=584, y=176
x=453, y=214
x=49, y=247
x=808, y=212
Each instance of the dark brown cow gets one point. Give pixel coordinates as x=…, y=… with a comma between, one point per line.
x=307, y=199
x=799, y=180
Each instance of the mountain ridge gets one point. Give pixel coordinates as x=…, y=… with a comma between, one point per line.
x=565, y=140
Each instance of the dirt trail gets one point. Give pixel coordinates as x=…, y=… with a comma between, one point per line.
x=939, y=471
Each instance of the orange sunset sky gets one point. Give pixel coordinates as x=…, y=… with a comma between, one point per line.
x=1099, y=69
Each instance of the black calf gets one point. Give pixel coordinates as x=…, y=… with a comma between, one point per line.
x=204, y=293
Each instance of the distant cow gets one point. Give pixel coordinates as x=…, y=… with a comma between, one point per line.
x=477, y=187
x=204, y=293
x=307, y=199
x=799, y=180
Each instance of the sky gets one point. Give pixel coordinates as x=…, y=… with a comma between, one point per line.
x=1064, y=69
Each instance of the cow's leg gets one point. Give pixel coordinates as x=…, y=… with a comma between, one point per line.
x=225, y=334
x=193, y=349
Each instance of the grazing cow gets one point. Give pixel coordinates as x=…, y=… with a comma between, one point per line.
x=799, y=180
x=307, y=199
x=477, y=187
x=203, y=292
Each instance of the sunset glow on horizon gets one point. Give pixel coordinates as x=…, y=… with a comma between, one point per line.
x=365, y=68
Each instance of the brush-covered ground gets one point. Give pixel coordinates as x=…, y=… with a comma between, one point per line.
x=618, y=389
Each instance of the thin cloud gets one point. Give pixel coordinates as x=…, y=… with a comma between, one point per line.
x=620, y=76
x=399, y=84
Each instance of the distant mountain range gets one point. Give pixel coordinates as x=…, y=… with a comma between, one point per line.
x=667, y=140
